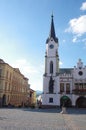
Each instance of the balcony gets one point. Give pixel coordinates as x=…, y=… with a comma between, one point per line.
x=79, y=91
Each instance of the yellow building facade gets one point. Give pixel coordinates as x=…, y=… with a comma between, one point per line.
x=13, y=86
x=32, y=97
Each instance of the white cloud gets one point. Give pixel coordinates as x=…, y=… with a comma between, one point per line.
x=77, y=26
x=31, y=71
x=84, y=40
x=64, y=40
x=25, y=66
x=83, y=7
x=60, y=63
x=74, y=39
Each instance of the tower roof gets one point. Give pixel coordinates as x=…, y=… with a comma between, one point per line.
x=52, y=31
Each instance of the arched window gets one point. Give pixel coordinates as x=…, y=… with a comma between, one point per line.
x=51, y=67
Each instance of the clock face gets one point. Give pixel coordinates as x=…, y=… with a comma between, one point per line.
x=51, y=46
x=80, y=73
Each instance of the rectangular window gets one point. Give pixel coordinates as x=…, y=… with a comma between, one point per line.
x=7, y=75
x=50, y=100
x=84, y=85
x=5, y=85
x=61, y=87
x=68, y=88
x=76, y=86
x=10, y=76
x=0, y=72
x=80, y=85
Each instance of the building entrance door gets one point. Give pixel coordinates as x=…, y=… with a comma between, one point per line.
x=4, y=100
x=65, y=101
x=81, y=102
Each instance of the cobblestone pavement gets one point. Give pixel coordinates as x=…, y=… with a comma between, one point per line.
x=42, y=119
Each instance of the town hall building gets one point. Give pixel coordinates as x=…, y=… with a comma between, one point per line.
x=62, y=86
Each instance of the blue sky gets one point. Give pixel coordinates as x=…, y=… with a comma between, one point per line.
x=25, y=26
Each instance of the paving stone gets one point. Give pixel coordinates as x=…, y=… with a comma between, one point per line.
x=42, y=119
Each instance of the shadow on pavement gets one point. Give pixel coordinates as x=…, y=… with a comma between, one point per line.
x=76, y=111
x=57, y=110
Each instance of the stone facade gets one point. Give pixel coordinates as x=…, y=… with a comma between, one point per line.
x=13, y=86
x=32, y=98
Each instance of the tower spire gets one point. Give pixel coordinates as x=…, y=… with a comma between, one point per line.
x=52, y=31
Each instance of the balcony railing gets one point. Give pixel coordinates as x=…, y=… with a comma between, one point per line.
x=79, y=91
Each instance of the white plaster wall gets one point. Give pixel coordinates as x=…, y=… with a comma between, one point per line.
x=51, y=52
x=74, y=98
x=77, y=76
x=46, y=99
x=46, y=84
x=46, y=95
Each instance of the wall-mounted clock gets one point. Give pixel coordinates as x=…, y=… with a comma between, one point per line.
x=51, y=46
x=80, y=73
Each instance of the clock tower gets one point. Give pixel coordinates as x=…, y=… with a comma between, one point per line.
x=51, y=75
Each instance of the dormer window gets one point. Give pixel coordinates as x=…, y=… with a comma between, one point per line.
x=51, y=39
x=80, y=68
